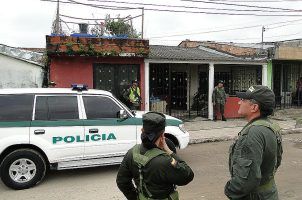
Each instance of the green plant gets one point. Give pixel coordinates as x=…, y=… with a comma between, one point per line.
x=91, y=50
x=141, y=52
x=69, y=50
x=112, y=52
x=120, y=26
x=81, y=49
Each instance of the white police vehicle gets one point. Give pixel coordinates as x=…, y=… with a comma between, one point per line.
x=56, y=128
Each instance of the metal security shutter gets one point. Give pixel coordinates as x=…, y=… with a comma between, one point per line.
x=114, y=78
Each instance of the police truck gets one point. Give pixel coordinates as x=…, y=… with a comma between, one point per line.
x=45, y=129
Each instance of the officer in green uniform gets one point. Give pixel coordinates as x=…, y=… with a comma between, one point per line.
x=256, y=154
x=219, y=99
x=155, y=169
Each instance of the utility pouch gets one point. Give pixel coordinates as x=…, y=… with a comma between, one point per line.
x=173, y=196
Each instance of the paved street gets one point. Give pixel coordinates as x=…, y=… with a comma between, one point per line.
x=208, y=160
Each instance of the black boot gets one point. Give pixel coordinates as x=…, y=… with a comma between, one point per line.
x=215, y=118
x=223, y=118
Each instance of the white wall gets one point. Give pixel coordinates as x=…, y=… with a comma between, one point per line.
x=16, y=73
x=194, y=83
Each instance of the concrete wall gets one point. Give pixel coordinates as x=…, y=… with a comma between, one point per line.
x=288, y=53
x=15, y=73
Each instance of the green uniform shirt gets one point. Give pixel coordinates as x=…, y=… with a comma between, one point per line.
x=252, y=164
x=159, y=174
x=219, y=96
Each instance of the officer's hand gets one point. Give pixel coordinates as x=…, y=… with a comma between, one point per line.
x=164, y=146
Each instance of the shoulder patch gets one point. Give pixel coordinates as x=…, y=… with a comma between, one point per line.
x=251, y=89
x=173, y=162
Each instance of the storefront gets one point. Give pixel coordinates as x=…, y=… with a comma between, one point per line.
x=100, y=63
x=180, y=85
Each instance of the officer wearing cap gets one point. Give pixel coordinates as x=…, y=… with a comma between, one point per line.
x=219, y=100
x=155, y=169
x=256, y=154
x=134, y=96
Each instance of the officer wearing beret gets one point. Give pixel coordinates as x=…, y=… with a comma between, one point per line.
x=256, y=155
x=155, y=169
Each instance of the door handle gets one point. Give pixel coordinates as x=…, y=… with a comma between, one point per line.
x=93, y=130
x=39, y=132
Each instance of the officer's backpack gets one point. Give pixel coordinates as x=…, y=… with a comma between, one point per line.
x=142, y=161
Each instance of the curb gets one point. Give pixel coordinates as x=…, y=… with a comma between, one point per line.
x=208, y=140
x=291, y=131
x=228, y=138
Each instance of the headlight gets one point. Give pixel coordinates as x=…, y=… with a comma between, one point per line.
x=182, y=128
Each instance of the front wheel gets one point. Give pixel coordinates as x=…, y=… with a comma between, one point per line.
x=22, y=169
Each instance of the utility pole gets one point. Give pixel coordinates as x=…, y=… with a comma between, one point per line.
x=143, y=22
x=263, y=29
x=56, y=26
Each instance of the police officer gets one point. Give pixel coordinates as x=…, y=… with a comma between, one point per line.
x=134, y=96
x=256, y=154
x=219, y=100
x=155, y=169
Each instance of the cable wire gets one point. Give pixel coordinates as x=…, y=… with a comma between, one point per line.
x=179, y=11
x=241, y=5
x=223, y=30
x=187, y=7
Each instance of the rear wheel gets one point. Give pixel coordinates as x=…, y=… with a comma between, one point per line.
x=22, y=169
x=171, y=145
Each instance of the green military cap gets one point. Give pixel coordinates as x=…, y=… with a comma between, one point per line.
x=262, y=94
x=153, y=124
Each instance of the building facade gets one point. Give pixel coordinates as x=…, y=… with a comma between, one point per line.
x=20, y=68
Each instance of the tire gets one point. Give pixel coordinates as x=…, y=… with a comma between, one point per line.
x=171, y=145
x=22, y=169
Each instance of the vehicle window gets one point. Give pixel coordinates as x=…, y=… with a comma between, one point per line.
x=16, y=107
x=56, y=108
x=100, y=107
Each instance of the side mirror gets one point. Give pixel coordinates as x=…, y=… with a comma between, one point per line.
x=123, y=114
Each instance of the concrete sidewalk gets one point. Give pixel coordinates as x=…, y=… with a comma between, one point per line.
x=203, y=130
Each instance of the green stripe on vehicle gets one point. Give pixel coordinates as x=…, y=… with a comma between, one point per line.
x=173, y=122
x=96, y=122
x=15, y=124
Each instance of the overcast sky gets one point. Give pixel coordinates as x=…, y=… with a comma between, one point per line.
x=24, y=23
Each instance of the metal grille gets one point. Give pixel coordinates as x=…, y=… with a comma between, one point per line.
x=115, y=78
x=286, y=75
x=168, y=90
x=243, y=78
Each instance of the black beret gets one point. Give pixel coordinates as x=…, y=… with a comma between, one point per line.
x=153, y=124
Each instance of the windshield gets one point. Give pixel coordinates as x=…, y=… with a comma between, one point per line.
x=124, y=106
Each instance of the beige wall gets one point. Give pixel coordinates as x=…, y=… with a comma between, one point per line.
x=289, y=53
